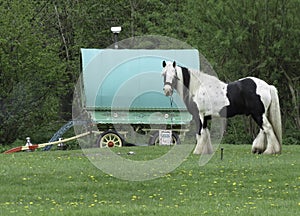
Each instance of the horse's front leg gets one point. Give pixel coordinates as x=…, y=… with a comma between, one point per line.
x=204, y=145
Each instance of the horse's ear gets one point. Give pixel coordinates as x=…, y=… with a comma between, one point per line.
x=174, y=64
x=164, y=64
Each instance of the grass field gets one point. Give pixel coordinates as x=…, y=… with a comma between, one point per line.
x=66, y=183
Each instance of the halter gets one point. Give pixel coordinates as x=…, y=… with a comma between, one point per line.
x=174, y=83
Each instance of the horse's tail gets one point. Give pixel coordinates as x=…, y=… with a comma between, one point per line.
x=275, y=115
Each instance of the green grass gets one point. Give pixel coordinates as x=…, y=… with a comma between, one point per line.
x=66, y=183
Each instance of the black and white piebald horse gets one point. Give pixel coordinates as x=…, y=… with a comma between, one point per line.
x=205, y=96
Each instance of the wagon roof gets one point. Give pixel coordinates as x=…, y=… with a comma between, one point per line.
x=130, y=78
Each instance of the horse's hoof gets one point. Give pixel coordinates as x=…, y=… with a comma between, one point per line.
x=254, y=151
x=257, y=151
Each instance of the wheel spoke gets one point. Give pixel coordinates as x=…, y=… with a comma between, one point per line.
x=110, y=140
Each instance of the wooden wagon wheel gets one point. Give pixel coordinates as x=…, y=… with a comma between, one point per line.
x=109, y=139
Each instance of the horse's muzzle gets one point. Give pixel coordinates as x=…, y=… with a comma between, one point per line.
x=168, y=90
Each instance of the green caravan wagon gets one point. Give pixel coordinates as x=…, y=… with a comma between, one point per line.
x=122, y=92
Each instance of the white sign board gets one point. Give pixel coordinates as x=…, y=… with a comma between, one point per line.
x=165, y=137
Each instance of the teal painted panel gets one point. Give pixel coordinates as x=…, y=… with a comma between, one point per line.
x=130, y=79
x=142, y=117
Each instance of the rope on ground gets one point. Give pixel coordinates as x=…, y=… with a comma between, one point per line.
x=42, y=145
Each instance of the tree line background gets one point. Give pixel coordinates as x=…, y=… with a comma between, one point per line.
x=40, y=43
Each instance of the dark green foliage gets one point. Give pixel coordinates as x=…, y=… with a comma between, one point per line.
x=238, y=131
x=40, y=42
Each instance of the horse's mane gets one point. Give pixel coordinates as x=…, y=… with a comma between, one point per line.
x=203, y=76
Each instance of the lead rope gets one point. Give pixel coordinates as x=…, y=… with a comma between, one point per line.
x=172, y=115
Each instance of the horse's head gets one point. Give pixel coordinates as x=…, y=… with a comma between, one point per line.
x=170, y=77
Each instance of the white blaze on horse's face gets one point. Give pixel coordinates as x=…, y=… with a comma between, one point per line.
x=169, y=74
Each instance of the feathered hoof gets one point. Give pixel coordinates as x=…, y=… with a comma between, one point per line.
x=203, y=152
x=269, y=152
x=207, y=152
x=257, y=151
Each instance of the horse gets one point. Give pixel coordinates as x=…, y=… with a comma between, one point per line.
x=206, y=96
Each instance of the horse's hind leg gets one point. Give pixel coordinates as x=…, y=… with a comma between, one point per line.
x=259, y=144
x=273, y=146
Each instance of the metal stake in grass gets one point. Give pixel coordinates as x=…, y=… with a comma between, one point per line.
x=222, y=151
